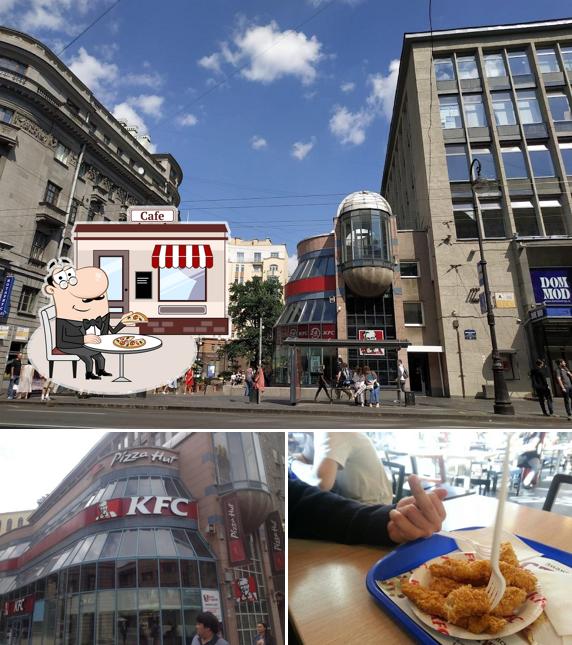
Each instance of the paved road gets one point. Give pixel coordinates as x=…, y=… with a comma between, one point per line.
x=25, y=415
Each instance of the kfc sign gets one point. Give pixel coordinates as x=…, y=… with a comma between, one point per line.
x=130, y=456
x=142, y=505
x=19, y=606
x=371, y=334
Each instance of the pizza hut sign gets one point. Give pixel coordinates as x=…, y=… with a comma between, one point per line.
x=130, y=456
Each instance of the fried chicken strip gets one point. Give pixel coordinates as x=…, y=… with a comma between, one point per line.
x=476, y=573
x=431, y=602
x=443, y=586
x=487, y=623
x=517, y=577
x=512, y=599
x=508, y=555
x=466, y=601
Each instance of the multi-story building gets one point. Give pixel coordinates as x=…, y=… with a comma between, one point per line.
x=63, y=158
x=249, y=259
x=13, y=520
x=148, y=530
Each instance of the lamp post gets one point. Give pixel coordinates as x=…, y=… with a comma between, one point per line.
x=502, y=403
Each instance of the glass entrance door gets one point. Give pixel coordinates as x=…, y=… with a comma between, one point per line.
x=116, y=265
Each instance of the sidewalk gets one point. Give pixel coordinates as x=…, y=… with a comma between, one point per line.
x=276, y=401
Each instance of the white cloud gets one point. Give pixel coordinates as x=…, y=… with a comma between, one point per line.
x=46, y=15
x=292, y=264
x=350, y=127
x=347, y=87
x=300, y=150
x=269, y=54
x=187, y=119
x=257, y=143
x=125, y=112
x=6, y=6
x=151, y=79
x=149, y=104
x=95, y=73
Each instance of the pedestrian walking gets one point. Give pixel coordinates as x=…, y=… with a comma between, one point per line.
x=541, y=388
x=189, y=381
x=249, y=382
x=46, y=388
x=343, y=379
x=371, y=387
x=208, y=628
x=14, y=368
x=402, y=376
x=263, y=635
x=259, y=384
x=25, y=380
x=323, y=384
x=564, y=379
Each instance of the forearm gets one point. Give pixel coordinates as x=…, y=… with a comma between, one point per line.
x=320, y=515
x=117, y=327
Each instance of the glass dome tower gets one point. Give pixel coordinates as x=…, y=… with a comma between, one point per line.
x=367, y=261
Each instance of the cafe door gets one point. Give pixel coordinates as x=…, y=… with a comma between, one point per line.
x=19, y=630
x=116, y=265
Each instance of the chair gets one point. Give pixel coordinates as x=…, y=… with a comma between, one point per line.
x=431, y=468
x=48, y=315
x=400, y=458
x=397, y=472
x=553, y=490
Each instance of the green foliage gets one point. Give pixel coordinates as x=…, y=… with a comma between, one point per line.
x=247, y=304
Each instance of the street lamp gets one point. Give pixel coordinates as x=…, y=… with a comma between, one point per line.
x=502, y=403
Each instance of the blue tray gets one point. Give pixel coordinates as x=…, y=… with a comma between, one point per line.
x=412, y=555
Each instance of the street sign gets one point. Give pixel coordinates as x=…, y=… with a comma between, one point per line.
x=470, y=334
x=505, y=300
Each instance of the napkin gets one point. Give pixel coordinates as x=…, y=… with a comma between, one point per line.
x=555, y=587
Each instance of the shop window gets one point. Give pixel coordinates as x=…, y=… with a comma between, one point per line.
x=541, y=161
x=413, y=314
x=148, y=573
x=409, y=269
x=450, y=112
x=567, y=57
x=190, y=573
x=52, y=193
x=27, y=305
x=73, y=580
x=528, y=107
x=494, y=65
x=547, y=61
x=12, y=65
x=552, y=216
x=465, y=221
x=559, y=106
x=503, y=108
x=457, y=163
x=6, y=114
x=474, y=111
x=566, y=152
x=208, y=574
x=444, y=69
x=128, y=544
x=165, y=543
x=486, y=159
x=71, y=619
x=188, y=285
x=169, y=573
x=524, y=218
x=198, y=545
x=519, y=63
x=127, y=617
x=514, y=162
x=106, y=575
x=106, y=617
x=147, y=546
x=467, y=66
x=126, y=571
x=88, y=577
x=62, y=153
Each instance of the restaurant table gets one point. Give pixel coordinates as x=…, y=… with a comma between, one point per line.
x=107, y=347
x=327, y=598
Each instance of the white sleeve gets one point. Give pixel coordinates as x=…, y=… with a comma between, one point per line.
x=331, y=445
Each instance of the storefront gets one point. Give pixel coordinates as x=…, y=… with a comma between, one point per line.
x=117, y=555
x=173, y=272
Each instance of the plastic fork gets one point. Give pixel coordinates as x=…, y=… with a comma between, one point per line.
x=497, y=584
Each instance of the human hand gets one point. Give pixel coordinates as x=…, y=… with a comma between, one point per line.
x=92, y=339
x=417, y=516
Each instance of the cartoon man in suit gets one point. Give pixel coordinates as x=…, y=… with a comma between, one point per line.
x=82, y=312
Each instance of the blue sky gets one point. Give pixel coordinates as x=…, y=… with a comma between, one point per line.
x=305, y=108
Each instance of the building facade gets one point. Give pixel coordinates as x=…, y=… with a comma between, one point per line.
x=501, y=95
x=249, y=259
x=63, y=158
x=15, y=520
x=146, y=532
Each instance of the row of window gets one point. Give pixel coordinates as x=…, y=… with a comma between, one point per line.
x=256, y=257
x=495, y=64
x=314, y=267
x=319, y=310
x=12, y=65
x=503, y=109
x=514, y=161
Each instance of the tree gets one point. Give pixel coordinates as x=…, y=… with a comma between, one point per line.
x=248, y=303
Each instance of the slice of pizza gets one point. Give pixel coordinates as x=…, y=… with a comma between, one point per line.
x=134, y=317
x=135, y=343
x=122, y=341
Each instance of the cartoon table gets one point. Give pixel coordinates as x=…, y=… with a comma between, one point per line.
x=107, y=347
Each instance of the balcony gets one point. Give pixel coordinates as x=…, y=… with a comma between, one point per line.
x=50, y=215
x=30, y=84
x=8, y=134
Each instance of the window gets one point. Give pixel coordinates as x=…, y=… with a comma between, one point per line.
x=465, y=221
x=95, y=208
x=541, y=161
x=467, y=66
x=528, y=107
x=39, y=245
x=552, y=216
x=518, y=63
x=492, y=220
x=258, y=257
x=485, y=157
x=409, y=269
x=183, y=284
x=559, y=106
x=567, y=57
x=450, y=112
x=274, y=254
x=62, y=153
x=566, y=152
x=106, y=140
x=514, y=163
x=240, y=256
x=119, y=152
x=524, y=218
x=547, y=61
x=413, y=314
x=444, y=70
x=457, y=164
x=503, y=108
x=12, y=65
x=494, y=65
x=474, y=111
x=6, y=114
x=72, y=106
x=27, y=302
x=52, y=193
x=273, y=270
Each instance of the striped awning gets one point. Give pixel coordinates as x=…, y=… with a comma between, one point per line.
x=182, y=256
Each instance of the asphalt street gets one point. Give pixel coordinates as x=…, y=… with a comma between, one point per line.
x=25, y=415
